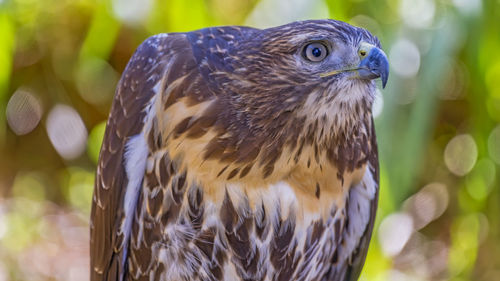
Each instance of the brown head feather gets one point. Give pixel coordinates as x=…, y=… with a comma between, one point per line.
x=262, y=87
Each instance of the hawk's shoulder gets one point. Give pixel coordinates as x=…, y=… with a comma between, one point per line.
x=146, y=72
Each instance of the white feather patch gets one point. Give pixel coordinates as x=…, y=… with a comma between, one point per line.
x=136, y=154
x=360, y=199
x=281, y=194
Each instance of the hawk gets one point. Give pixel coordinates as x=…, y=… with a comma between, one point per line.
x=235, y=153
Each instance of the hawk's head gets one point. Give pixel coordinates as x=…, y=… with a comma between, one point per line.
x=308, y=82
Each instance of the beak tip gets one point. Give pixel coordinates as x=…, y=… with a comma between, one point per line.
x=384, y=80
x=384, y=70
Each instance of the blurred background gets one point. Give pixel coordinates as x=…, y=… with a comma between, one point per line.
x=438, y=124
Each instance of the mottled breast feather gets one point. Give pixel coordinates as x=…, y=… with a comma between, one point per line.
x=227, y=158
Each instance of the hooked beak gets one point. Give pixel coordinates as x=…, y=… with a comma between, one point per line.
x=374, y=65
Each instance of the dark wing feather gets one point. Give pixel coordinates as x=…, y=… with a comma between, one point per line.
x=135, y=89
x=359, y=256
x=164, y=58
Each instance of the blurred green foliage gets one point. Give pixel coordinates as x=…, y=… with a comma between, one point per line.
x=439, y=125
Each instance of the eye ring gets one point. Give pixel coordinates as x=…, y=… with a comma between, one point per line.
x=315, y=52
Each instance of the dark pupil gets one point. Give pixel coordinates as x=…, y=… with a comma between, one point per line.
x=316, y=52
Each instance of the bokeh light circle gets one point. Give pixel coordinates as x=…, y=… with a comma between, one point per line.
x=417, y=13
x=494, y=144
x=480, y=181
x=66, y=131
x=460, y=154
x=96, y=81
x=132, y=11
x=468, y=7
x=428, y=204
x=404, y=58
x=394, y=232
x=24, y=112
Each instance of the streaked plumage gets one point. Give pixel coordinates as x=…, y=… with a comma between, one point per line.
x=228, y=155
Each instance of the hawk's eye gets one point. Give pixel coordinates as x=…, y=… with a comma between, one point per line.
x=315, y=52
